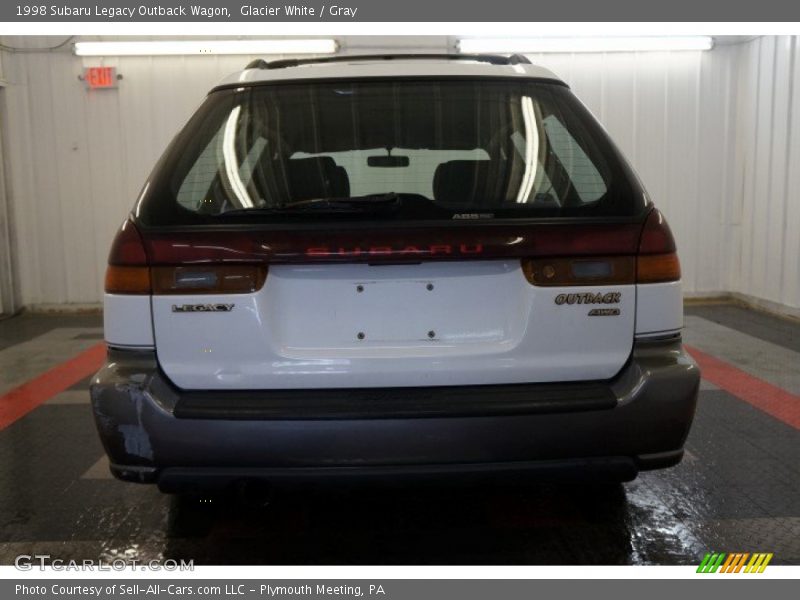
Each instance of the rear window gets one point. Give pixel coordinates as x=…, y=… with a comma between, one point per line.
x=436, y=149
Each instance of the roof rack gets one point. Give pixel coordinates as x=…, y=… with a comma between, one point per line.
x=258, y=63
x=494, y=59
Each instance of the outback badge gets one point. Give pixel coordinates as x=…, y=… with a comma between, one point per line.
x=589, y=298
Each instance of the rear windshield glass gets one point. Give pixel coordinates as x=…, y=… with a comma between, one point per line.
x=390, y=150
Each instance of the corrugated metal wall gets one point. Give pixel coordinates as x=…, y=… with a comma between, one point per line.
x=78, y=158
x=671, y=114
x=764, y=219
x=6, y=282
x=689, y=122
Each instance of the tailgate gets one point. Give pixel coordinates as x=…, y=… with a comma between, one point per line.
x=388, y=325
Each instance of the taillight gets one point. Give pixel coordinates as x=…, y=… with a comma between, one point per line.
x=208, y=279
x=657, y=260
x=129, y=272
x=580, y=270
x=127, y=280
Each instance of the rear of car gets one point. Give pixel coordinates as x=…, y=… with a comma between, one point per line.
x=435, y=266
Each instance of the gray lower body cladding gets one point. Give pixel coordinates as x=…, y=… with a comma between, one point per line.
x=153, y=432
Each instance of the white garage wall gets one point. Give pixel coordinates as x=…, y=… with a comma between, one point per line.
x=6, y=283
x=764, y=221
x=671, y=114
x=79, y=158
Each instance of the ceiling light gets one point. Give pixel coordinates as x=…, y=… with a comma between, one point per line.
x=211, y=47
x=584, y=44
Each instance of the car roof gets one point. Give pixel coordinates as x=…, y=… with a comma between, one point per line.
x=389, y=65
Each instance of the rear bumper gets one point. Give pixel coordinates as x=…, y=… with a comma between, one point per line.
x=153, y=432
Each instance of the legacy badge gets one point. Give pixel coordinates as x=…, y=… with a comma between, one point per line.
x=186, y=308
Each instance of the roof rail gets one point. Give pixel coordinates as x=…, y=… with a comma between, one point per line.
x=258, y=63
x=519, y=59
x=283, y=63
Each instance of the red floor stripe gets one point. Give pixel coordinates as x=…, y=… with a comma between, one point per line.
x=773, y=400
x=18, y=402
x=765, y=396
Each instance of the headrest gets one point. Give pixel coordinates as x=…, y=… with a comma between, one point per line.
x=461, y=182
x=316, y=177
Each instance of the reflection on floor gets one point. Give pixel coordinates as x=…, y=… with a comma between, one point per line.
x=738, y=488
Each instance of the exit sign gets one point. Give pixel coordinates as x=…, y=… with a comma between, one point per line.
x=100, y=78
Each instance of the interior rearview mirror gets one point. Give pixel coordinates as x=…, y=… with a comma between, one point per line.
x=387, y=161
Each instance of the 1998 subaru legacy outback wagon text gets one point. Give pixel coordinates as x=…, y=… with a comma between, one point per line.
x=392, y=265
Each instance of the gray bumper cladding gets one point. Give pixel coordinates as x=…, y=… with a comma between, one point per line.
x=154, y=432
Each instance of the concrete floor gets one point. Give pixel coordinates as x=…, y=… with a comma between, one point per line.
x=738, y=489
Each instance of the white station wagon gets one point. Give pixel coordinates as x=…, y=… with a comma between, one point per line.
x=387, y=266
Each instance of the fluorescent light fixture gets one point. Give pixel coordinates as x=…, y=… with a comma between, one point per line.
x=584, y=44
x=531, y=149
x=189, y=47
x=229, y=156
